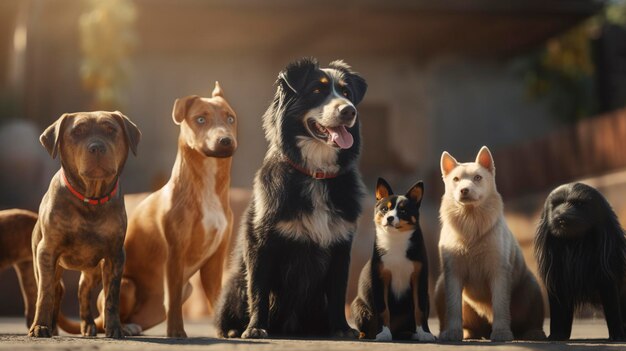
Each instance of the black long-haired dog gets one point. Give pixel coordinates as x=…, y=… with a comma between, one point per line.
x=581, y=251
x=393, y=286
x=292, y=261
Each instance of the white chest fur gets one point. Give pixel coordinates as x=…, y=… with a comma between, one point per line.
x=213, y=217
x=396, y=244
x=320, y=226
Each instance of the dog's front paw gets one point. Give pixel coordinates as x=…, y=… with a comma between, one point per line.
x=114, y=331
x=501, y=335
x=254, y=333
x=384, y=335
x=40, y=331
x=451, y=335
x=132, y=329
x=88, y=328
x=421, y=335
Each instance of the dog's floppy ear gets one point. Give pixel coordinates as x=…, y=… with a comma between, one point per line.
x=181, y=105
x=382, y=189
x=51, y=137
x=217, y=91
x=485, y=159
x=295, y=75
x=448, y=163
x=359, y=87
x=543, y=253
x=356, y=83
x=131, y=131
x=416, y=192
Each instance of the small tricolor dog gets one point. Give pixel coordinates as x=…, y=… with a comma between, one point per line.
x=392, y=302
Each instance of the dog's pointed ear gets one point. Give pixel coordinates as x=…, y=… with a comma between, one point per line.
x=382, y=189
x=485, y=159
x=295, y=75
x=131, y=131
x=181, y=105
x=217, y=91
x=448, y=163
x=416, y=192
x=51, y=137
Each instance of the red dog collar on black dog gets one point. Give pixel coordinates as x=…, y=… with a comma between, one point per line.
x=318, y=174
x=87, y=200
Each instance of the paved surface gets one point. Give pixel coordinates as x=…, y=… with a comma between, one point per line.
x=588, y=334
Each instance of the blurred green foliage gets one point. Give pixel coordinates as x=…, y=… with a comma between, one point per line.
x=107, y=40
x=562, y=73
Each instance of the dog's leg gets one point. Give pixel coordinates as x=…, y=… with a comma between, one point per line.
x=28, y=286
x=112, y=268
x=453, y=293
x=258, y=292
x=46, y=261
x=365, y=319
x=381, y=293
x=211, y=273
x=561, y=318
x=501, y=305
x=609, y=296
x=336, y=291
x=88, y=279
x=175, y=283
x=419, y=293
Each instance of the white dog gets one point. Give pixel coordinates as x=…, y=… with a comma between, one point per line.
x=485, y=290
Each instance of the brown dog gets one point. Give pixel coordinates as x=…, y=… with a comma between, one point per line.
x=186, y=225
x=16, y=230
x=82, y=221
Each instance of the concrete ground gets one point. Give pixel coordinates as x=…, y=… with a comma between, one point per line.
x=588, y=334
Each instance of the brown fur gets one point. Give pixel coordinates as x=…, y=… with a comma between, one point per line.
x=71, y=234
x=16, y=229
x=167, y=241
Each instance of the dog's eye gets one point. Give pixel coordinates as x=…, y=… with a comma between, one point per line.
x=78, y=131
x=317, y=91
x=477, y=178
x=455, y=179
x=230, y=119
x=345, y=92
x=383, y=209
x=200, y=120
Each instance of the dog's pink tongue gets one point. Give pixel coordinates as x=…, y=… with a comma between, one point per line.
x=341, y=136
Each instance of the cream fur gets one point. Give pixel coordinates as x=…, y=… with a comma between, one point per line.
x=481, y=260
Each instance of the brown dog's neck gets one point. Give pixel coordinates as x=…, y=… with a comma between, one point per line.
x=193, y=170
x=93, y=189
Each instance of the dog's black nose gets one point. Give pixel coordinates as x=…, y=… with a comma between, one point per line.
x=347, y=112
x=389, y=219
x=96, y=147
x=464, y=191
x=225, y=141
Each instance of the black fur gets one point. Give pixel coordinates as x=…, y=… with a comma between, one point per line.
x=581, y=251
x=293, y=285
x=369, y=306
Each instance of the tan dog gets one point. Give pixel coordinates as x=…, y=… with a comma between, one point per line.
x=485, y=289
x=82, y=222
x=186, y=225
x=16, y=230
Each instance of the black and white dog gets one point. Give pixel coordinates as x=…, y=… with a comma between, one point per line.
x=292, y=260
x=393, y=286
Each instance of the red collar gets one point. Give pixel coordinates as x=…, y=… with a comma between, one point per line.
x=87, y=200
x=317, y=174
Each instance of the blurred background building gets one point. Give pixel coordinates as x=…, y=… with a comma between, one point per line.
x=540, y=82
